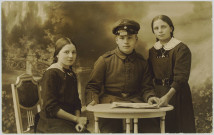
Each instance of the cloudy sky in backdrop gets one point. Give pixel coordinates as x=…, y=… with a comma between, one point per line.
x=89, y=25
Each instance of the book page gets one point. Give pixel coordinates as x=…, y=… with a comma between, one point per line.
x=133, y=105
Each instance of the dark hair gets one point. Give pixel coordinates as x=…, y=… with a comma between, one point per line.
x=165, y=19
x=60, y=43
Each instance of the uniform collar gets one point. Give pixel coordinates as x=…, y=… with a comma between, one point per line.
x=170, y=45
x=123, y=56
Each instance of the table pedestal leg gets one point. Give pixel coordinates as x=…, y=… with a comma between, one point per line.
x=135, y=125
x=162, y=124
x=96, y=125
x=128, y=126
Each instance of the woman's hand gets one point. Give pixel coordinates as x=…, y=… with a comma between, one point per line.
x=81, y=120
x=166, y=98
x=164, y=101
x=79, y=127
x=153, y=100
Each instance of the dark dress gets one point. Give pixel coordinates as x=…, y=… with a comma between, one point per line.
x=60, y=91
x=174, y=66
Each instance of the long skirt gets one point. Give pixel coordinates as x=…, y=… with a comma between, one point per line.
x=181, y=119
x=56, y=125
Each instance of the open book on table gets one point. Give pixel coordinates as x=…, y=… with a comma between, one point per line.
x=133, y=105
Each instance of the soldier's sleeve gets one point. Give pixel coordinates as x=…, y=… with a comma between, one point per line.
x=96, y=80
x=147, y=83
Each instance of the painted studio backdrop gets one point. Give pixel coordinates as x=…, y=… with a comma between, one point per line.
x=30, y=29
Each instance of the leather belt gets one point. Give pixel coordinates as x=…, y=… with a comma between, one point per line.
x=119, y=94
x=163, y=82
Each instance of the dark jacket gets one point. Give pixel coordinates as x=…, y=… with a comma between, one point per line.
x=115, y=73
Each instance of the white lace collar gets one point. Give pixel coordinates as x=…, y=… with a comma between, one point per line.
x=171, y=44
x=56, y=65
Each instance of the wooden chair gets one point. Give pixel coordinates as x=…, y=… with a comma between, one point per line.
x=27, y=102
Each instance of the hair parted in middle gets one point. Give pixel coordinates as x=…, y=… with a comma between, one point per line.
x=60, y=43
x=165, y=19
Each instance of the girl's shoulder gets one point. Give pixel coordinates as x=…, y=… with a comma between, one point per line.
x=181, y=47
x=53, y=71
x=152, y=50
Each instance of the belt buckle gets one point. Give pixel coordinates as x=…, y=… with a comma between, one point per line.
x=124, y=95
x=167, y=82
x=163, y=82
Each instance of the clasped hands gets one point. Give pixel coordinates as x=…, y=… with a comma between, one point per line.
x=81, y=123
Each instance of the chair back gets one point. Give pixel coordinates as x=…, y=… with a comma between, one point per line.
x=27, y=102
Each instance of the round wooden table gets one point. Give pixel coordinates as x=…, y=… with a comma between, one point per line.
x=105, y=111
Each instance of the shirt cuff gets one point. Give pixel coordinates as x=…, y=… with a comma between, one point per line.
x=149, y=97
x=51, y=112
x=90, y=97
x=175, y=86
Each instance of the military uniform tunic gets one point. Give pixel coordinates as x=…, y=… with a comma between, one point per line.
x=120, y=77
x=174, y=64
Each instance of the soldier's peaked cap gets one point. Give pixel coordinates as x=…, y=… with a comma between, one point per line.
x=130, y=26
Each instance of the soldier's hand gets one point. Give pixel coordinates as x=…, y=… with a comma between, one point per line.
x=92, y=103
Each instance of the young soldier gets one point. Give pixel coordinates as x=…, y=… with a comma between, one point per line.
x=121, y=75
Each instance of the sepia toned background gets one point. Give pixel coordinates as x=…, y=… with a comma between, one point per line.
x=30, y=29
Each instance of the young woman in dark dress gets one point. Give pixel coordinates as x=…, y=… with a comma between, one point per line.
x=170, y=60
x=61, y=103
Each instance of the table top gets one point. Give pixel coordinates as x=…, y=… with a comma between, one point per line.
x=106, y=108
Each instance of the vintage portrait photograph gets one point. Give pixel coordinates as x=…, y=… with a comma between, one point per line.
x=106, y=67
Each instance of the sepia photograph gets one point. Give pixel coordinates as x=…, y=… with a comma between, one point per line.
x=106, y=67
